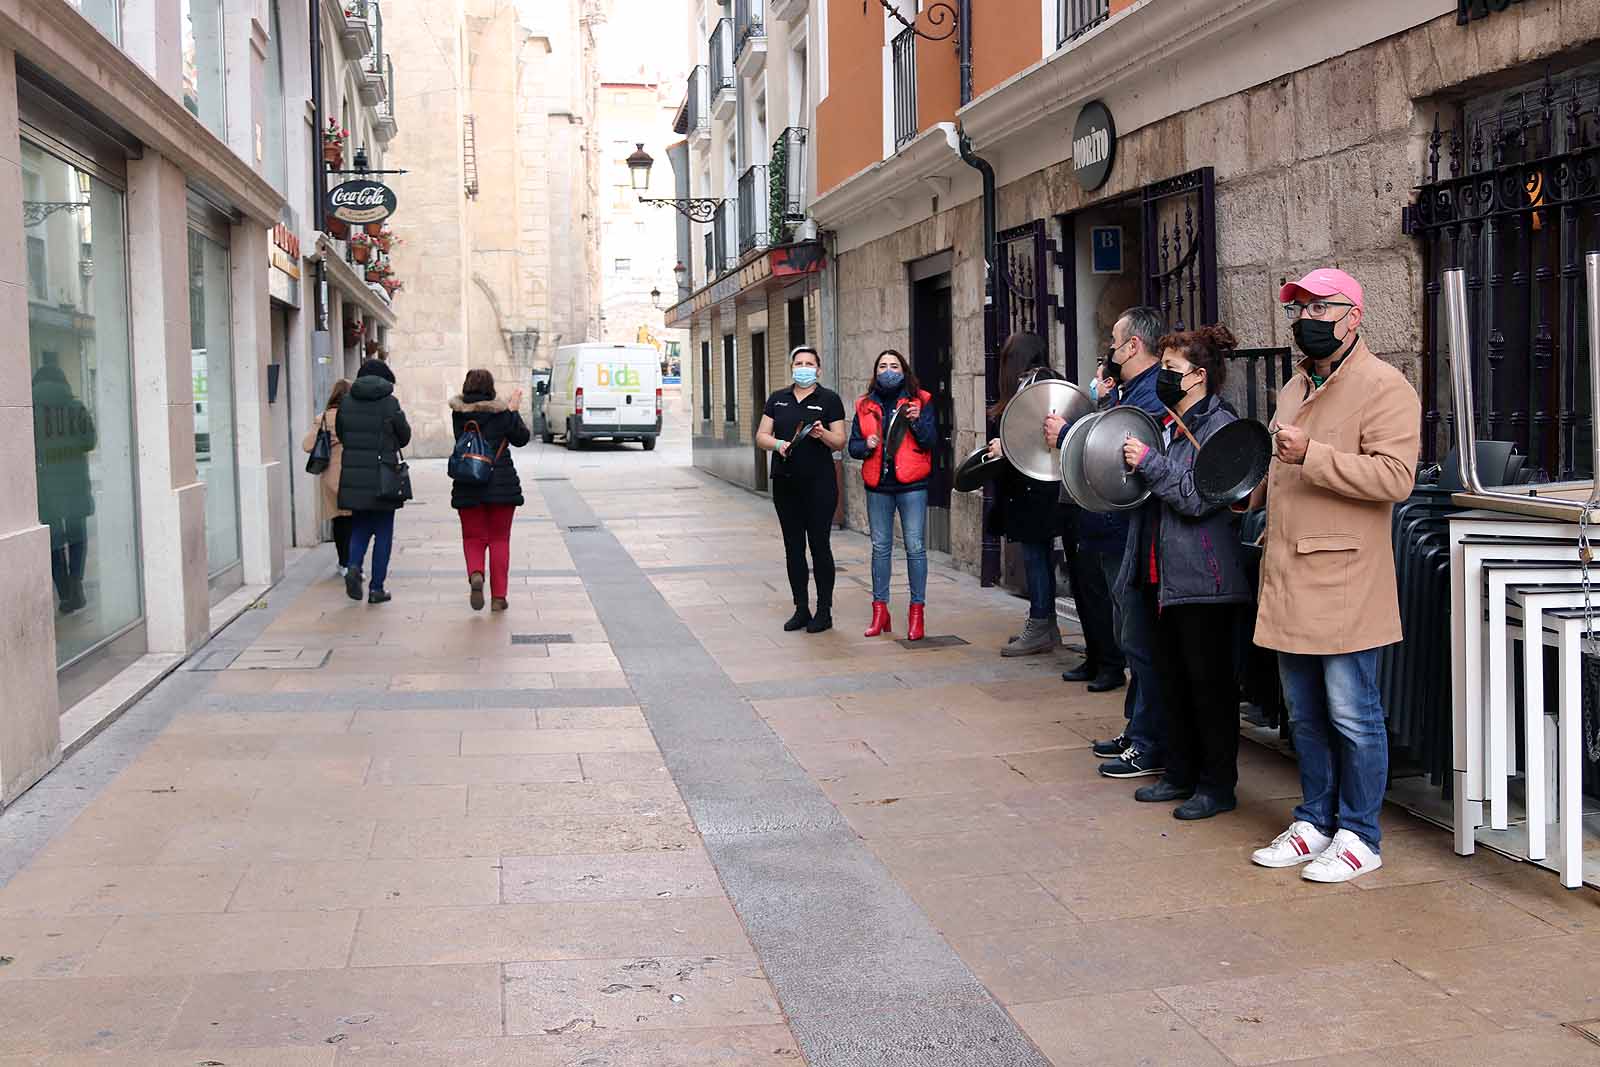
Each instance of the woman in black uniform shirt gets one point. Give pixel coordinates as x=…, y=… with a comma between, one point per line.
x=804, y=489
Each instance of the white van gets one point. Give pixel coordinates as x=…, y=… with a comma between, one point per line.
x=604, y=390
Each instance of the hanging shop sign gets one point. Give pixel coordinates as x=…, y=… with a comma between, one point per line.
x=1094, y=146
x=283, y=262
x=361, y=201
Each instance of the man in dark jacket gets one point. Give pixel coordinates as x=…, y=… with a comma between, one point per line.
x=486, y=511
x=63, y=436
x=373, y=429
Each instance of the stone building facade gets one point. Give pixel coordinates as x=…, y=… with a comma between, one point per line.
x=499, y=220
x=1253, y=140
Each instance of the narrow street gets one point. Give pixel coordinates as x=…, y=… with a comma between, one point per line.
x=632, y=822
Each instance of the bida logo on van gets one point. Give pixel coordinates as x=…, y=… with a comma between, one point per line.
x=613, y=377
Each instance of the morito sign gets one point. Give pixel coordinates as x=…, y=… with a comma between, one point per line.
x=1094, y=146
x=361, y=201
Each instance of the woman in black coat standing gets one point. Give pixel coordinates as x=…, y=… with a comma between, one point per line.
x=486, y=511
x=373, y=429
x=1027, y=511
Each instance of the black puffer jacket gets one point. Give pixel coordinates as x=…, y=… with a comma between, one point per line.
x=370, y=422
x=499, y=426
x=1026, y=511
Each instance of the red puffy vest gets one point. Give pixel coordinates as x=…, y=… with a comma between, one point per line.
x=910, y=461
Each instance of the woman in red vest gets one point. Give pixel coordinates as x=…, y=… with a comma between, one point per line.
x=893, y=434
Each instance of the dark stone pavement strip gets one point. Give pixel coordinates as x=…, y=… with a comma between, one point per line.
x=434, y=700
x=862, y=975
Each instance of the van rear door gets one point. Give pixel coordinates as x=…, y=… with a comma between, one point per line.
x=615, y=394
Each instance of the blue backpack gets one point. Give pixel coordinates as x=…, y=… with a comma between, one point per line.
x=470, y=462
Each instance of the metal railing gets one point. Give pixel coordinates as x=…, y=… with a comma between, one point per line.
x=722, y=56
x=726, y=225
x=355, y=9
x=754, y=228
x=905, y=87
x=749, y=18
x=786, y=171
x=697, y=104
x=713, y=266
x=375, y=13
x=1074, y=18
x=385, y=108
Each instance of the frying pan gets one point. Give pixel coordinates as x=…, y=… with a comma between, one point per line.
x=1104, y=469
x=1022, y=424
x=975, y=470
x=1232, y=462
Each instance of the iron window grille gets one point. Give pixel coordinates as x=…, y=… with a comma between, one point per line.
x=722, y=56
x=749, y=22
x=753, y=224
x=904, y=49
x=697, y=104
x=1074, y=18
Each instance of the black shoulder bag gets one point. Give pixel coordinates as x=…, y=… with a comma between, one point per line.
x=394, y=475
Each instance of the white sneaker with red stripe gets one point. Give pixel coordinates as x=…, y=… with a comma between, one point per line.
x=1348, y=857
x=1300, y=843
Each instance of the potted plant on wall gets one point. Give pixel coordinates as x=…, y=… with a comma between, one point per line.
x=363, y=249
x=337, y=228
x=386, y=240
x=333, y=139
x=392, y=285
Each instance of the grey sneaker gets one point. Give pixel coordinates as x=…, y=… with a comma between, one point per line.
x=1040, y=635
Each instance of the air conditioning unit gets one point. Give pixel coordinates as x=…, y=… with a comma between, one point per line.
x=806, y=231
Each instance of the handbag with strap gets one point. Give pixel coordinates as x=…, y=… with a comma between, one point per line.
x=470, y=462
x=321, y=449
x=394, y=477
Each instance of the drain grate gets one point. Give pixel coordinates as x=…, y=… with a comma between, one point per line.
x=541, y=639
x=213, y=661
x=942, y=641
x=551, y=478
x=583, y=527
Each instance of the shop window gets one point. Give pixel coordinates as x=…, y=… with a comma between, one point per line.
x=211, y=360
x=82, y=394
x=203, y=92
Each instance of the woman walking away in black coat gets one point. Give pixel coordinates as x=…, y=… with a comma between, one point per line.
x=486, y=511
x=373, y=429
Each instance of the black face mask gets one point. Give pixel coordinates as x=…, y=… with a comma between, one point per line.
x=1169, y=387
x=1315, y=338
x=1113, y=368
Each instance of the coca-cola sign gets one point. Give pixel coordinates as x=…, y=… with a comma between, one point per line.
x=361, y=201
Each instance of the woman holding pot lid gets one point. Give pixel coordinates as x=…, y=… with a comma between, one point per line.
x=893, y=434
x=1026, y=511
x=803, y=426
x=1184, y=558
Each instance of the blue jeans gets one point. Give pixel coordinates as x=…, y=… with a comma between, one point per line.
x=378, y=528
x=1336, y=720
x=913, y=509
x=1136, y=633
x=1039, y=571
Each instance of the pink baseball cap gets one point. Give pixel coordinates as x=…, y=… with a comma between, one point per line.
x=1324, y=281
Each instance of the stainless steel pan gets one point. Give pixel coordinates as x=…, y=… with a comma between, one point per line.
x=1022, y=424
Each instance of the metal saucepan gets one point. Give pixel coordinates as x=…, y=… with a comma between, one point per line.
x=1103, y=470
x=1022, y=424
x=1232, y=462
x=976, y=470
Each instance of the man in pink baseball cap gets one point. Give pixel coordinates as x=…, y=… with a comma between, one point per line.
x=1346, y=436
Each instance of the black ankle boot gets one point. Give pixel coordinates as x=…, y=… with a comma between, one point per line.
x=822, y=620
x=799, y=620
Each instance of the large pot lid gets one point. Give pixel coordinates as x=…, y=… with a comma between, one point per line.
x=1072, y=478
x=1103, y=466
x=1022, y=424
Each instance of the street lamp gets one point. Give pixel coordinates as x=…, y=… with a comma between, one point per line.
x=655, y=297
x=680, y=274
x=697, y=209
x=639, y=168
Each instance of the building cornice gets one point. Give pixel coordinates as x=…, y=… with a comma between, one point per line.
x=930, y=156
x=63, y=44
x=343, y=276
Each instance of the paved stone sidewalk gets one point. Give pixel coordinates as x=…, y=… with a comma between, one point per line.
x=631, y=822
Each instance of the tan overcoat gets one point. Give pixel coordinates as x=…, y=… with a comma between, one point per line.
x=1327, y=576
x=329, y=478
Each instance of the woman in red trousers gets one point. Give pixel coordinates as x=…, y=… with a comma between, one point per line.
x=486, y=511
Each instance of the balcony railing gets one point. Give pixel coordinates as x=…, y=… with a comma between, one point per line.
x=375, y=83
x=697, y=104
x=722, y=56
x=905, y=87
x=754, y=228
x=713, y=267
x=1074, y=18
x=748, y=21
x=386, y=126
x=786, y=172
x=726, y=225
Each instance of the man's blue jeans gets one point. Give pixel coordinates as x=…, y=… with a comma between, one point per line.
x=913, y=509
x=376, y=528
x=1136, y=633
x=1336, y=720
x=1039, y=572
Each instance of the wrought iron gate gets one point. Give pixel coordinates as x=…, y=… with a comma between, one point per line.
x=1180, y=248
x=1023, y=291
x=1516, y=207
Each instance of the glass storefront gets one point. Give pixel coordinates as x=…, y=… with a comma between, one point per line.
x=203, y=92
x=80, y=360
x=211, y=357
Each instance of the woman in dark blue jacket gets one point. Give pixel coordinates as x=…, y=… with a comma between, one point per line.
x=373, y=428
x=892, y=434
x=487, y=511
x=1183, y=556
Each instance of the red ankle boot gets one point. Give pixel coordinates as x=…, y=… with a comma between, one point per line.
x=880, y=619
x=914, y=630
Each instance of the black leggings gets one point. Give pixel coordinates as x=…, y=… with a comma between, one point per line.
x=1200, y=692
x=341, y=538
x=805, y=513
